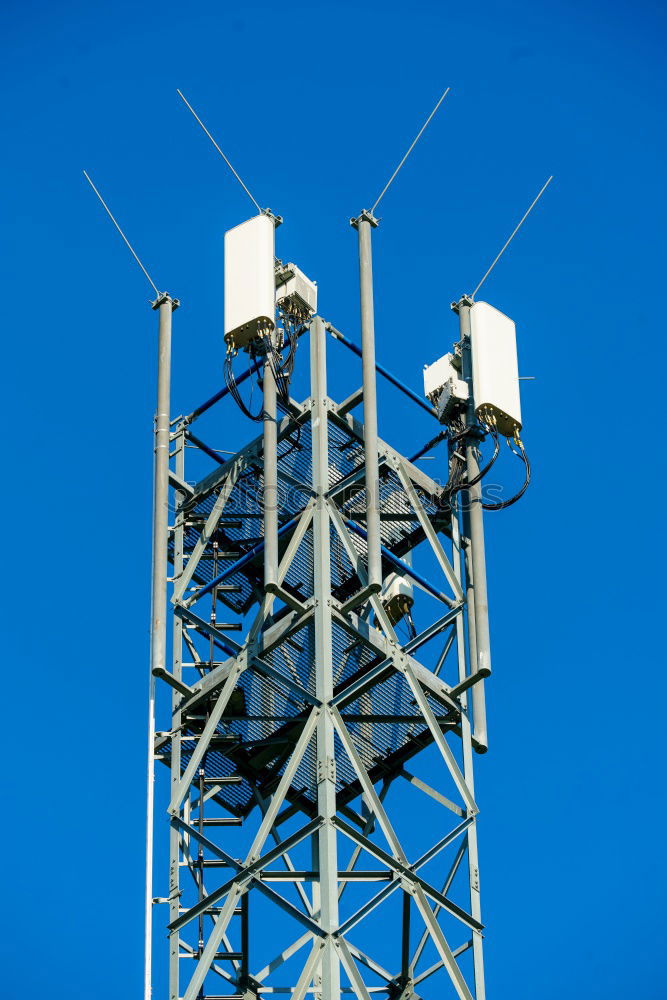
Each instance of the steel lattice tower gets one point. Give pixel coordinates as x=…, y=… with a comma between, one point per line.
x=300, y=715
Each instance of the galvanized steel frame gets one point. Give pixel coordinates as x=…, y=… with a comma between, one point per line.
x=442, y=708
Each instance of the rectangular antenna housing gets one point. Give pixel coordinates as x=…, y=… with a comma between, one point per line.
x=495, y=370
x=249, y=280
x=444, y=387
x=397, y=596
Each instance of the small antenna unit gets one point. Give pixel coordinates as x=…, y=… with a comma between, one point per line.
x=124, y=237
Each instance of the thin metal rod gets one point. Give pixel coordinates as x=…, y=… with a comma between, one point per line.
x=405, y=940
x=427, y=447
x=196, y=116
x=532, y=206
x=205, y=448
x=158, y=631
x=381, y=370
x=127, y=242
x=245, y=940
x=419, y=135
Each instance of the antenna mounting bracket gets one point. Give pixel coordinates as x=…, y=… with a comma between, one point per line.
x=365, y=216
x=277, y=220
x=465, y=299
x=165, y=297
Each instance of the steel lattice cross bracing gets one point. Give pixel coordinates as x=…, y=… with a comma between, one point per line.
x=322, y=822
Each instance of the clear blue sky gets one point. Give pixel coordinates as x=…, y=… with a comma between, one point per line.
x=314, y=104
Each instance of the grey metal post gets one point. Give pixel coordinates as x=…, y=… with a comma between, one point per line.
x=175, y=763
x=475, y=522
x=270, y=478
x=469, y=775
x=327, y=855
x=363, y=225
x=466, y=551
x=165, y=306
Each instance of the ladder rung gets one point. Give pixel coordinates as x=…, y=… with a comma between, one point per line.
x=209, y=664
x=221, y=555
x=222, y=821
x=230, y=956
x=195, y=519
x=217, y=737
x=213, y=864
x=213, y=910
x=226, y=779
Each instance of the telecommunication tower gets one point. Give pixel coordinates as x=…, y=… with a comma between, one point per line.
x=323, y=634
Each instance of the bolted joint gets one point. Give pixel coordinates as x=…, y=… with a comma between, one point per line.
x=401, y=989
x=249, y=987
x=465, y=300
x=277, y=220
x=409, y=887
x=165, y=297
x=365, y=216
x=326, y=770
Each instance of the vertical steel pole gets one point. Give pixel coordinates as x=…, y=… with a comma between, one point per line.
x=363, y=225
x=327, y=855
x=468, y=774
x=270, y=450
x=245, y=941
x=175, y=761
x=165, y=306
x=466, y=552
x=479, y=640
x=475, y=522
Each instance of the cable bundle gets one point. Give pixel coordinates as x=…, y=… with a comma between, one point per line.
x=457, y=480
x=230, y=382
x=281, y=365
x=489, y=424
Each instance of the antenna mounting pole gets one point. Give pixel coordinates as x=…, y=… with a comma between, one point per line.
x=158, y=631
x=364, y=224
x=473, y=518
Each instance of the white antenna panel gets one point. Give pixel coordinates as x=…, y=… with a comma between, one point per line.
x=249, y=280
x=495, y=369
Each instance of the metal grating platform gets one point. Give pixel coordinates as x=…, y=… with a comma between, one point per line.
x=269, y=718
x=241, y=526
